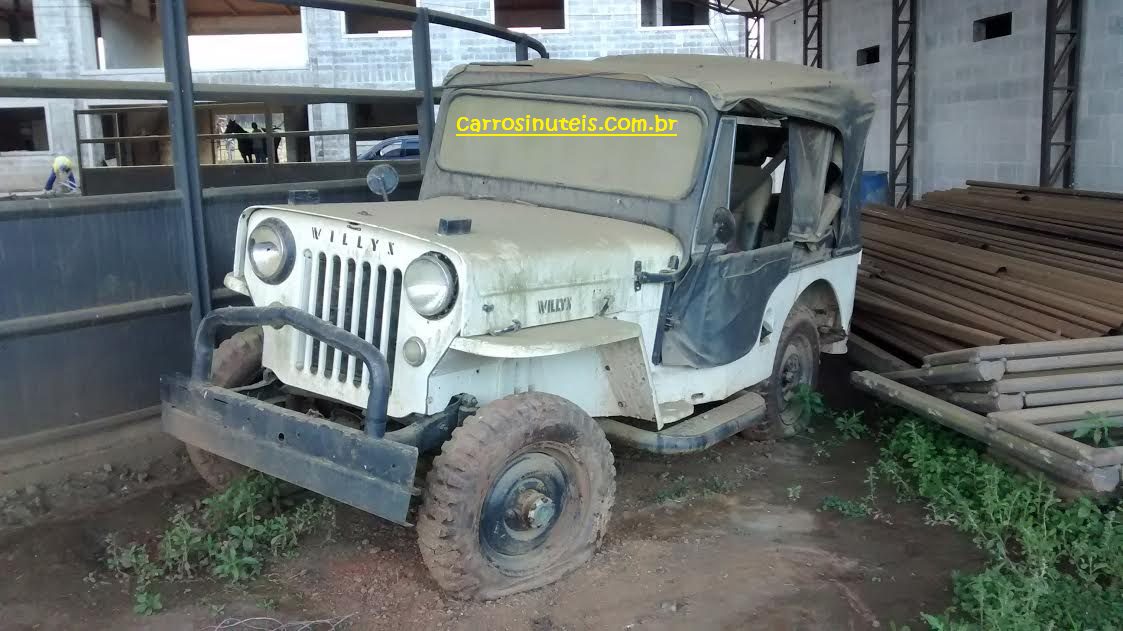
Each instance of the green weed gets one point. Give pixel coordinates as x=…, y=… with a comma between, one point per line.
x=850, y=425
x=674, y=491
x=844, y=507
x=1097, y=430
x=1053, y=565
x=794, y=492
x=808, y=403
x=230, y=535
x=717, y=485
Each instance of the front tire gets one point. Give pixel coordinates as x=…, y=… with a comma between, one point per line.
x=236, y=362
x=519, y=496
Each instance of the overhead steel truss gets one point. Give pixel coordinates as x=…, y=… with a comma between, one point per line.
x=1060, y=92
x=902, y=111
x=813, y=33
x=753, y=12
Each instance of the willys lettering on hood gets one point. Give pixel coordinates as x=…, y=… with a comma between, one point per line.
x=519, y=262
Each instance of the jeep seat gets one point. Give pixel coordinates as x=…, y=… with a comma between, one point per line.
x=749, y=196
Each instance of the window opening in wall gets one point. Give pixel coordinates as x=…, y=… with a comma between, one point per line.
x=995, y=26
x=867, y=56
x=24, y=129
x=17, y=21
x=654, y=13
x=359, y=23
x=372, y=145
x=545, y=14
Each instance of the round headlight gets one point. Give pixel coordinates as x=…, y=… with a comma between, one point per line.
x=271, y=251
x=430, y=285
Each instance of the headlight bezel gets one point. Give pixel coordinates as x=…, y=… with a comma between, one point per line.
x=448, y=271
x=283, y=239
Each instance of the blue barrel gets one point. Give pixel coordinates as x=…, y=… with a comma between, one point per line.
x=875, y=187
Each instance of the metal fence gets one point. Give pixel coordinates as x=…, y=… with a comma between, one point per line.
x=102, y=294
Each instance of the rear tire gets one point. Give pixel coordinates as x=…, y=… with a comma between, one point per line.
x=519, y=497
x=796, y=364
x=236, y=362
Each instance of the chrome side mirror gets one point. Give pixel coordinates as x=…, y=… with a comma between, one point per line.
x=382, y=180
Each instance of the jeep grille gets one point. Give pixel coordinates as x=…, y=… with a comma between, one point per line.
x=355, y=295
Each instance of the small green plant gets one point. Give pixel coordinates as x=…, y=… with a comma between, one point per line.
x=717, y=485
x=674, y=491
x=850, y=425
x=267, y=604
x=844, y=507
x=808, y=403
x=864, y=507
x=794, y=492
x=1097, y=429
x=231, y=534
x=146, y=603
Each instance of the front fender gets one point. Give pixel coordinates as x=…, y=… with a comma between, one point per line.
x=599, y=364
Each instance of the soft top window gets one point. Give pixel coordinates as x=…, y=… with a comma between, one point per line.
x=632, y=149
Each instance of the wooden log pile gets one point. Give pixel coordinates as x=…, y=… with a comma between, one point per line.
x=991, y=264
x=1054, y=406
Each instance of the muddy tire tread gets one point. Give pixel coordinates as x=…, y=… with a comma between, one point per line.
x=236, y=360
x=447, y=525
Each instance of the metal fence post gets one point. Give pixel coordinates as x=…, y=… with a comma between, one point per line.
x=185, y=152
x=423, y=82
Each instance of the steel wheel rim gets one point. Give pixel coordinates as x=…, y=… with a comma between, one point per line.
x=522, y=509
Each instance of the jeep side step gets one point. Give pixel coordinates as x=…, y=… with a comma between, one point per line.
x=694, y=434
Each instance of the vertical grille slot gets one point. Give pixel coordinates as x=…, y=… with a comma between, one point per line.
x=390, y=348
x=362, y=297
x=331, y=309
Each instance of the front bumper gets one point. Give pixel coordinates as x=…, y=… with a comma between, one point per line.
x=367, y=469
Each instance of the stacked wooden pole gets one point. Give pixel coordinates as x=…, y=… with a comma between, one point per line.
x=1036, y=403
x=991, y=264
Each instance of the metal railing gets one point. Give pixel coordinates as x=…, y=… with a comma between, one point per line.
x=131, y=265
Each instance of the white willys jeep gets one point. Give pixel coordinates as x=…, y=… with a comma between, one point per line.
x=556, y=286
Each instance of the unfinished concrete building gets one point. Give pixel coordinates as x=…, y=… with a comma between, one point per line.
x=247, y=42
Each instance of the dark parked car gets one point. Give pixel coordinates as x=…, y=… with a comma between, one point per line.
x=396, y=148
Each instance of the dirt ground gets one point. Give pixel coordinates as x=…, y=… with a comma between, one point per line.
x=730, y=548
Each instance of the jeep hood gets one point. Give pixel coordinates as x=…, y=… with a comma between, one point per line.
x=522, y=262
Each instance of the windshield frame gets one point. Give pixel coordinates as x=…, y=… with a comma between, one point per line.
x=638, y=107
x=677, y=217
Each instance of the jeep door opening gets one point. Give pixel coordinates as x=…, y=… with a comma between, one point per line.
x=549, y=291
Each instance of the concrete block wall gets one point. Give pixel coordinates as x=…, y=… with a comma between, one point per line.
x=843, y=37
x=979, y=103
x=1099, y=129
x=978, y=108
x=594, y=28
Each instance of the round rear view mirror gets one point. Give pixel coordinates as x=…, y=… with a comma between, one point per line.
x=382, y=180
x=724, y=225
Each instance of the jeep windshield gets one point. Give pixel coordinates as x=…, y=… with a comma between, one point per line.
x=627, y=148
